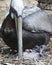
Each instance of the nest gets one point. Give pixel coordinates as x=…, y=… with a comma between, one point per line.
x=45, y=4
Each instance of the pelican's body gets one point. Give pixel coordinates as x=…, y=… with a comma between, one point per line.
x=30, y=22
x=8, y=32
